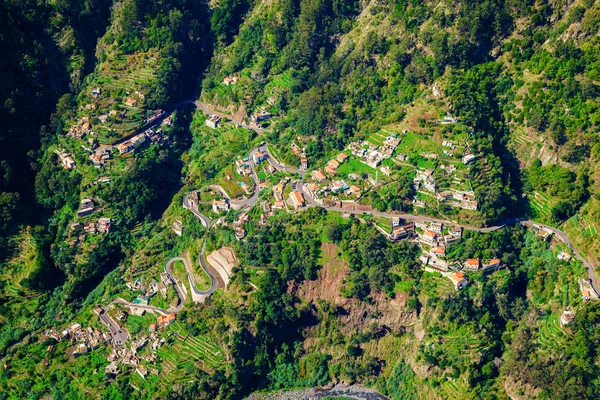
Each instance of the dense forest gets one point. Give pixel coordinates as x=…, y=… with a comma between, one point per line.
x=315, y=297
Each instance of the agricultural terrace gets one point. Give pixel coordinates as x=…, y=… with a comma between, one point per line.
x=118, y=108
x=211, y=159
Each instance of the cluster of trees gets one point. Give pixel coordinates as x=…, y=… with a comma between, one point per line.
x=570, y=376
x=476, y=96
x=570, y=187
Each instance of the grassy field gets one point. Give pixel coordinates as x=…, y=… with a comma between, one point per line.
x=413, y=144
x=354, y=165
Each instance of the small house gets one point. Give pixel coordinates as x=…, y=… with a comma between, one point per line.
x=213, y=121
x=342, y=157
x=297, y=199
x=259, y=157
x=472, y=264
x=459, y=280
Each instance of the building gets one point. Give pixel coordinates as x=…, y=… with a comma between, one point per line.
x=278, y=205
x=468, y=205
x=242, y=167
x=103, y=225
x=230, y=80
x=220, y=205
x=259, y=157
x=472, y=264
x=398, y=233
x=330, y=170
x=342, y=157
x=261, y=116
x=213, y=121
x=165, y=320
x=436, y=227
x=386, y=170
x=138, y=140
x=239, y=232
x=318, y=175
x=567, y=317
x=468, y=158
x=459, y=280
x=564, y=256
x=112, y=368
x=131, y=101
x=177, y=227
x=439, y=263
x=355, y=190
x=67, y=161
x=496, y=263
x=87, y=207
x=543, y=232
x=297, y=199
x=438, y=251
x=303, y=162
x=428, y=237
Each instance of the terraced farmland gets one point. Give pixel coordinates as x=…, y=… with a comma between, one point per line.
x=551, y=336
x=457, y=389
x=189, y=348
x=541, y=205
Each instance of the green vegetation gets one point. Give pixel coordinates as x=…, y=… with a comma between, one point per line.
x=316, y=297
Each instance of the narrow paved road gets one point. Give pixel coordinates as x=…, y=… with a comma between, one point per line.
x=119, y=335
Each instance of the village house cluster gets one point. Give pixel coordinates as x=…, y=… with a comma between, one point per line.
x=149, y=136
x=373, y=155
x=150, y=289
x=131, y=355
x=83, y=339
x=435, y=239
x=66, y=159
x=82, y=127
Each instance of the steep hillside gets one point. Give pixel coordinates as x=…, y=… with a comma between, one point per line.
x=398, y=184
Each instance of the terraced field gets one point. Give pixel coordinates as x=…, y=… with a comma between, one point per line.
x=197, y=347
x=551, y=336
x=284, y=81
x=541, y=205
x=457, y=389
x=376, y=139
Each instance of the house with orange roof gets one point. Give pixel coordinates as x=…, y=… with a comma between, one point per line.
x=472, y=264
x=438, y=251
x=297, y=199
x=318, y=175
x=428, y=237
x=342, y=157
x=165, y=320
x=333, y=164
x=459, y=280
x=131, y=101
x=330, y=170
x=496, y=263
